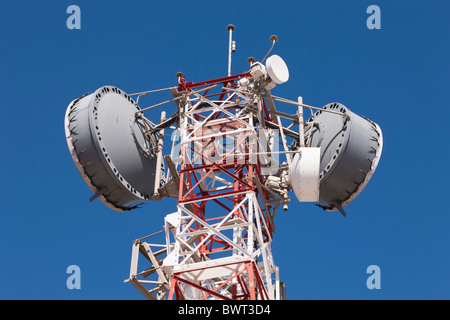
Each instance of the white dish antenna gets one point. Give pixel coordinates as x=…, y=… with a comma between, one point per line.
x=277, y=69
x=304, y=174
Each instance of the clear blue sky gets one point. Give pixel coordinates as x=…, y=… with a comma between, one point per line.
x=397, y=76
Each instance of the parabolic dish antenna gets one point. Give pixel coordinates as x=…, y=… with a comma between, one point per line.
x=111, y=148
x=350, y=150
x=277, y=69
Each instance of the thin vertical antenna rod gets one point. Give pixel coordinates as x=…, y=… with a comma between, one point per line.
x=230, y=28
x=301, y=128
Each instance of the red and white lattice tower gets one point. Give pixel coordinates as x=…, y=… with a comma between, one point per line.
x=219, y=211
x=218, y=242
x=225, y=171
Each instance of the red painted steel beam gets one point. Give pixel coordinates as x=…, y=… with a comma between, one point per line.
x=188, y=86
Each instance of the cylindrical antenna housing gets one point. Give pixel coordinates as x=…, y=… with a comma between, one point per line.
x=111, y=148
x=350, y=150
x=230, y=28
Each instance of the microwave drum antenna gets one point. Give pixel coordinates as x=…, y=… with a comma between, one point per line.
x=111, y=148
x=350, y=150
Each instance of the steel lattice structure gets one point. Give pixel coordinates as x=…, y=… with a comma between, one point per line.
x=218, y=242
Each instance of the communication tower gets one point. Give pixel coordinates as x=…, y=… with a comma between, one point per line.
x=234, y=160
